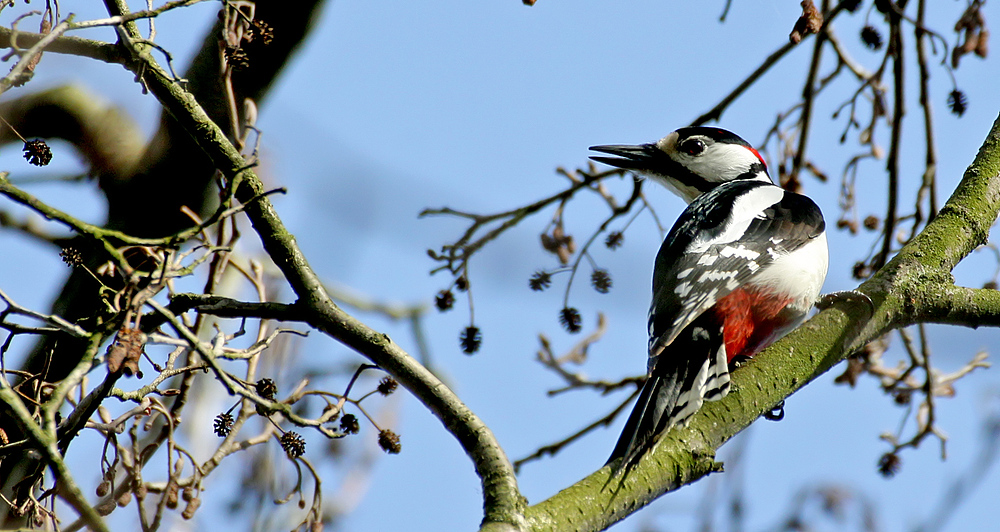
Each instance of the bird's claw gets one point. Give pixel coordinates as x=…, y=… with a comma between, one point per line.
x=777, y=413
x=851, y=296
x=739, y=361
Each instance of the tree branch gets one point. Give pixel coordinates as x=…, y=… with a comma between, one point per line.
x=232, y=308
x=956, y=305
x=502, y=502
x=46, y=443
x=102, y=51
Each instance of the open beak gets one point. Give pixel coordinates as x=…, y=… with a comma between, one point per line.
x=640, y=157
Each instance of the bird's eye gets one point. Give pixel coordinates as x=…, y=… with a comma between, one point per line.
x=692, y=146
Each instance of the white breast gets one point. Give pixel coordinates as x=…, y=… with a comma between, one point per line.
x=798, y=274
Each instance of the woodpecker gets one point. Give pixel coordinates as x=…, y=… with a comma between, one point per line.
x=741, y=267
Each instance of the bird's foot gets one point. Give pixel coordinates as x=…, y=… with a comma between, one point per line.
x=777, y=413
x=851, y=296
x=739, y=361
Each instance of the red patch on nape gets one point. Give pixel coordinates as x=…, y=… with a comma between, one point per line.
x=757, y=153
x=750, y=320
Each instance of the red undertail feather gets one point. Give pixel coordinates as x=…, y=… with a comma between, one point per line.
x=751, y=319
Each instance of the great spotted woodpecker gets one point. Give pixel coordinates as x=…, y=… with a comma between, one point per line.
x=741, y=267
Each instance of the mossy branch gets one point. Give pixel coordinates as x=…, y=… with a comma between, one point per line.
x=502, y=500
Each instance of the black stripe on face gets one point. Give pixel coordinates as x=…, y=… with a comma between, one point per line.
x=755, y=170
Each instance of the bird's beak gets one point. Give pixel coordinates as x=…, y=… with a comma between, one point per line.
x=640, y=157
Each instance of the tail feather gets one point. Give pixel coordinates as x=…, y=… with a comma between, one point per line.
x=717, y=384
x=692, y=370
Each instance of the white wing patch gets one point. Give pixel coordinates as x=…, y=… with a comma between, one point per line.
x=717, y=276
x=682, y=289
x=746, y=208
x=738, y=251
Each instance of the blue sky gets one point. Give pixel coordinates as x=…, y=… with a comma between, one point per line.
x=394, y=107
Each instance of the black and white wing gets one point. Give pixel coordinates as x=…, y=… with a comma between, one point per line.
x=721, y=241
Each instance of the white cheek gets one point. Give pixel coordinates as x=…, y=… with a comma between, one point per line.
x=722, y=162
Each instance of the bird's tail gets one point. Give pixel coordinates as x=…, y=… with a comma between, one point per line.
x=692, y=370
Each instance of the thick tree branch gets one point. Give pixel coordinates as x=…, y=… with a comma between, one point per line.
x=957, y=305
x=502, y=500
x=138, y=203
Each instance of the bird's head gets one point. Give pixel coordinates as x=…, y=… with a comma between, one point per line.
x=690, y=161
